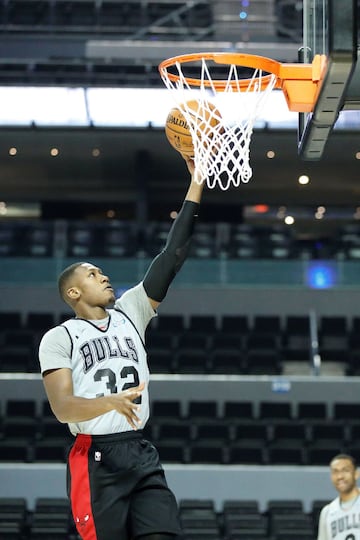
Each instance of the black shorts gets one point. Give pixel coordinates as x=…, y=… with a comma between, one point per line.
x=117, y=488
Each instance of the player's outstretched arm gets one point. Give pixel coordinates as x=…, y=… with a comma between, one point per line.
x=166, y=265
x=195, y=190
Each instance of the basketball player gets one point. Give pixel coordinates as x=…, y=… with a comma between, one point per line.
x=340, y=519
x=96, y=378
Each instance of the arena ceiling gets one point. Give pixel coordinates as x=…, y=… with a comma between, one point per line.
x=81, y=42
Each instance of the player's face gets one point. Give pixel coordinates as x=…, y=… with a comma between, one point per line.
x=343, y=475
x=94, y=287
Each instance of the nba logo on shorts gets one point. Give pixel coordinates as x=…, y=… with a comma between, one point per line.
x=97, y=456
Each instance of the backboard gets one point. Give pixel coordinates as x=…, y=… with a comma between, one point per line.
x=330, y=28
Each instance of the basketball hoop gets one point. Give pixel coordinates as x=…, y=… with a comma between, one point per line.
x=222, y=152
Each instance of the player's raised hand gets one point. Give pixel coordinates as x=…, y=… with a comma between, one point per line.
x=190, y=163
x=123, y=403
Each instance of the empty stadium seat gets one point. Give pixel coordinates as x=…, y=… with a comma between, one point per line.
x=171, y=323
x=249, y=452
x=237, y=410
x=15, y=450
x=245, y=524
x=207, y=451
x=334, y=338
x=10, y=320
x=296, y=338
x=311, y=411
x=202, y=410
x=286, y=453
x=270, y=410
x=171, y=452
x=166, y=411
x=160, y=360
x=227, y=361
x=346, y=412
x=202, y=323
x=191, y=360
x=264, y=362
x=50, y=451
x=13, y=515
x=235, y=324
x=239, y=506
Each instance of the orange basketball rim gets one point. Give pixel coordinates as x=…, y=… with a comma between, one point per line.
x=300, y=83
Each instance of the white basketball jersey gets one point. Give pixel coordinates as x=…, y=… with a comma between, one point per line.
x=341, y=524
x=104, y=362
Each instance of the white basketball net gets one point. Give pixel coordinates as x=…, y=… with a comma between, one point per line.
x=221, y=141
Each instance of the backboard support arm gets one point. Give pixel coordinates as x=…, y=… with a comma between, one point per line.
x=342, y=62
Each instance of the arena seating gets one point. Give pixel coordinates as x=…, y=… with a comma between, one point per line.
x=51, y=519
x=88, y=17
x=197, y=345
x=232, y=345
x=200, y=434
x=203, y=345
x=115, y=238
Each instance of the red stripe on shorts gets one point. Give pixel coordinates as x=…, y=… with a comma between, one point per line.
x=80, y=495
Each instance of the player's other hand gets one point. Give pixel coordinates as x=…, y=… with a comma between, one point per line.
x=124, y=404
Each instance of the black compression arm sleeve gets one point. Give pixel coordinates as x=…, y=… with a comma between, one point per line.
x=165, y=266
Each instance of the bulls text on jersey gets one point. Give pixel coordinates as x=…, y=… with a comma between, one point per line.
x=102, y=348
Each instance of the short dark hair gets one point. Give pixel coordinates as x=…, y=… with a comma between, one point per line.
x=345, y=456
x=65, y=276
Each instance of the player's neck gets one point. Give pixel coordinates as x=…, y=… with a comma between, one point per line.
x=91, y=313
x=348, y=497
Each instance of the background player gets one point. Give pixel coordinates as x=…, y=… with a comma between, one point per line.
x=95, y=374
x=340, y=519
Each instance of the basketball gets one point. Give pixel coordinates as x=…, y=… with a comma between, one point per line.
x=177, y=128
